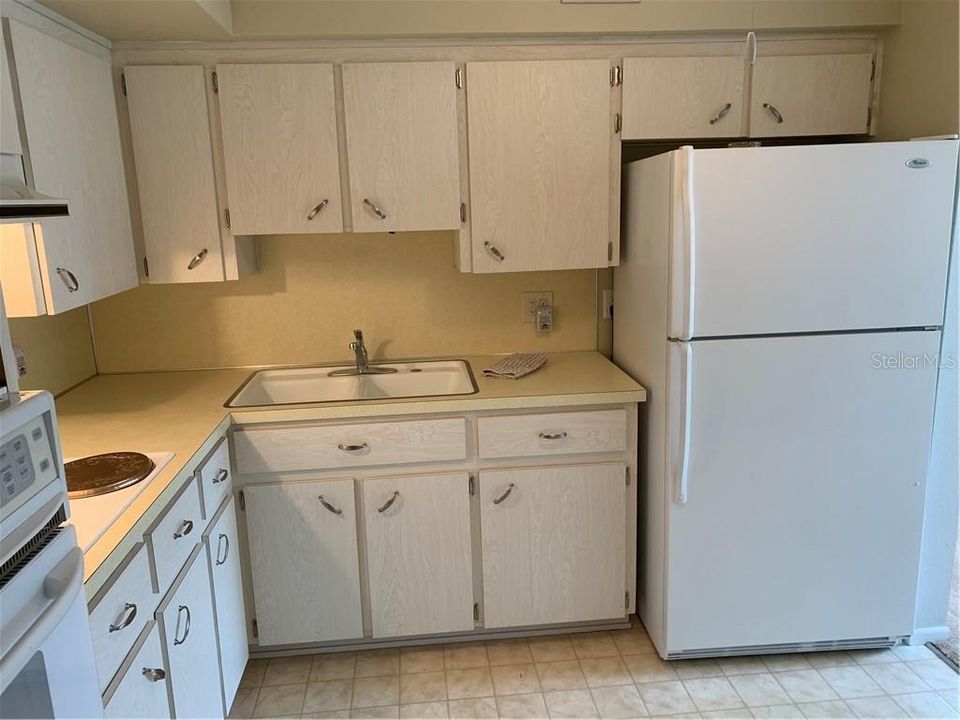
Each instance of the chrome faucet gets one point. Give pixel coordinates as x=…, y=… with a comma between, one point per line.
x=361, y=360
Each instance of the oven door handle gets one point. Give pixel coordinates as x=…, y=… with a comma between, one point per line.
x=61, y=585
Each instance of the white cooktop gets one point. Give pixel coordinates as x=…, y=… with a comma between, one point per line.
x=92, y=516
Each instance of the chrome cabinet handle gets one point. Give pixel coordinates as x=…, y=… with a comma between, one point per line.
x=348, y=447
x=377, y=211
x=186, y=527
x=154, y=674
x=222, y=474
x=554, y=435
x=386, y=506
x=495, y=251
x=773, y=111
x=721, y=115
x=506, y=494
x=126, y=617
x=320, y=206
x=69, y=279
x=224, y=542
x=328, y=506
x=186, y=627
x=197, y=259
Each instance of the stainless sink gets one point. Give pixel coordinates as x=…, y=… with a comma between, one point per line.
x=293, y=386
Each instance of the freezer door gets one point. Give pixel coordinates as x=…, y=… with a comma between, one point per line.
x=805, y=470
x=811, y=238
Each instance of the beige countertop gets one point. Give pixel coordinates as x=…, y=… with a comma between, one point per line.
x=183, y=412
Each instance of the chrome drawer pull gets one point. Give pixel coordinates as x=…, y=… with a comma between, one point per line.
x=320, y=206
x=721, y=115
x=221, y=476
x=69, y=279
x=126, y=617
x=197, y=259
x=347, y=447
x=562, y=435
x=497, y=501
x=186, y=527
x=386, y=506
x=377, y=211
x=154, y=674
x=224, y=542
x=773, y=111
x=328, y=506
x=495, y=251
x=186, y=627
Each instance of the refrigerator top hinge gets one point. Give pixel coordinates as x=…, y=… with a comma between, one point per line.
x=476, y=612
x=256, y=630
x=123, y=84
x=627, y=473
x=242, y=500
x=472, y=485
x=626, y=599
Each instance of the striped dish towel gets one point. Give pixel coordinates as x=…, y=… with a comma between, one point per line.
x=516, y=366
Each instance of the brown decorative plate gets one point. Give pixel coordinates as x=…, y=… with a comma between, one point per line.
x=100, y=474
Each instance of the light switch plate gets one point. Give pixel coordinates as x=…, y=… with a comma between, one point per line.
x=529, y=302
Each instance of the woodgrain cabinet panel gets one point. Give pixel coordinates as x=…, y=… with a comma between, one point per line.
x=304, y=560
x=280, y=147
x=141, y=688
x=418, y=554
x=401, y=123
x=553, y=544
x=811, y=95
x=587, y=431
x=540, y=135
x=173, y=154
x=683, y=97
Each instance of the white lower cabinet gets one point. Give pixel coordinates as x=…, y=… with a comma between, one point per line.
x=304, y=560
x=141, y=687
x=224, y=562
x=553, y=544
x=189, y=635
x=418, y=554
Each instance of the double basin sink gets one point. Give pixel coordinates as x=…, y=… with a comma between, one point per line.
x=289, y=386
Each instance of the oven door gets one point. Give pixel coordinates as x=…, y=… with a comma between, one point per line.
x=47, y=668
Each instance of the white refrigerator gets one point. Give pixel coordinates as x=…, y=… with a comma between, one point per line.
x=783, y=307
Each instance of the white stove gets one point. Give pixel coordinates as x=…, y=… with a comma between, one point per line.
x=93, y=515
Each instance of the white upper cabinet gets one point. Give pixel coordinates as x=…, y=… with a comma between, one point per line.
x=811, y=95
x=280, y=148
x=544, y=165
x=9, y=127
x=173, y=153
x=402, y=145
x=73, y=149
x=683, y=97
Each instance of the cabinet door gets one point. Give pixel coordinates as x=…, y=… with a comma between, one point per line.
x=418, y=554
x=683, y=97
x=141, y=688
x=280, y=148
x=304, y=561
x=73, y=139
x=170, y=125
x=222, y=549
x=402, y=143
x=811, y=95
x=540, y=136
x=190, y=642
x=553, y=544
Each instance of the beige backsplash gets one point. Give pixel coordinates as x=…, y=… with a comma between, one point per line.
x=312, y=290
x=57, y=349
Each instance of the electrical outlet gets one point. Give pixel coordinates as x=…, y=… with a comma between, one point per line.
x=529, y=301
x=607, y=301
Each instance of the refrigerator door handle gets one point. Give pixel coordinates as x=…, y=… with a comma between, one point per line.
x=684, y=248
x=686, y=401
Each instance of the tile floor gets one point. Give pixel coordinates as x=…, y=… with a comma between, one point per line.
x=602, y=674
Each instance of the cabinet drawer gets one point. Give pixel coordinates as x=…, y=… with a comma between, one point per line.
x=119, y=612
x=173, y=535
x=214, y=473
x=140, y=690
x=589, y=431
x=310, y=447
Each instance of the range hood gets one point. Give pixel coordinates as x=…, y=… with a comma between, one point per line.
x=21, y=203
